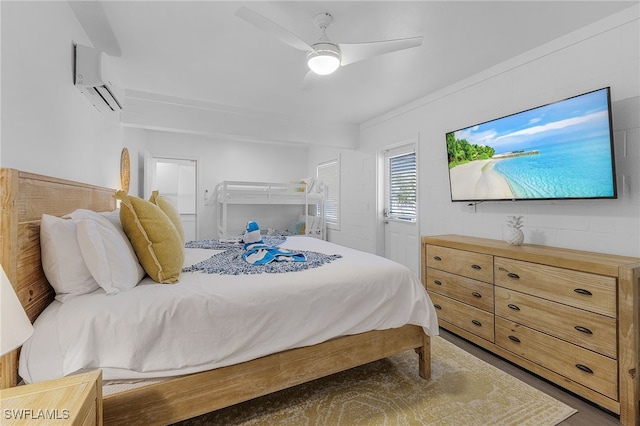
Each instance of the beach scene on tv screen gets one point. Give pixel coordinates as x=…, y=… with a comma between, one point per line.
x=561, y=150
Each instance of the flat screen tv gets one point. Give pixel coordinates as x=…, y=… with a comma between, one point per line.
x=563, y=150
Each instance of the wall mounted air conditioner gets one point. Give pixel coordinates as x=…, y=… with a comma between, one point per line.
x=97, y=79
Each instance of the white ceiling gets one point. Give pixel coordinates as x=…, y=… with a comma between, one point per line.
x=199, y=50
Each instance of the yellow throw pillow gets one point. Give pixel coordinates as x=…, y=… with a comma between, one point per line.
x=153, y=236
x=169, y=209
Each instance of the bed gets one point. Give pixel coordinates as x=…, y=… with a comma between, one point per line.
x=27, y=196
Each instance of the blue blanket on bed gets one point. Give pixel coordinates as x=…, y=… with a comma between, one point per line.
x=261, y=254
x=256, y=252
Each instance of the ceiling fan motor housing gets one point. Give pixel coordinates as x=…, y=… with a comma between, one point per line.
x=326, y=56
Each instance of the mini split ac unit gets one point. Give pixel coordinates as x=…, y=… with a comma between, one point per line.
x=96, y=78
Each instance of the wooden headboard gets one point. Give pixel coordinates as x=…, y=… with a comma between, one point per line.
x=25, y=197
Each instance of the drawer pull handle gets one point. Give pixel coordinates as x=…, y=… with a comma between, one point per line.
x=514, y=339
x=476, y=294
x=437, y=282
x=514, y=307
x=584, y=368
x=583, y=291
x=476, y=322
x=583, y=329
x=435, y=305
x=438, y=258
x=514, y=276
x=474, y=266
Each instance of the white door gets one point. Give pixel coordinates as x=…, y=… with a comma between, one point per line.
x=176, y=180
x=401, y=235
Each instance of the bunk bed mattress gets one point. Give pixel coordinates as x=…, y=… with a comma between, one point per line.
x=208, y=321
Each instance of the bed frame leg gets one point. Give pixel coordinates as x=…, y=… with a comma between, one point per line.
x=424, y=358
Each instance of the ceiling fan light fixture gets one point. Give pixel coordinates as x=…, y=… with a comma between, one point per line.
x=325, y=58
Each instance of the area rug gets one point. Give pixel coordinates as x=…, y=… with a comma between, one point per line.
x=463, y=390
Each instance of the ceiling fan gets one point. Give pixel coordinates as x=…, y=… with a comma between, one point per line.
x=324, y=56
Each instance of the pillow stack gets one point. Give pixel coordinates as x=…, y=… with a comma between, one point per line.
x=85, y=250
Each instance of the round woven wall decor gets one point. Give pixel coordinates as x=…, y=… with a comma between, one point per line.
x=125, y=170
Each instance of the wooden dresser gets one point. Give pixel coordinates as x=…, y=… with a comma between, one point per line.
x=569, y=316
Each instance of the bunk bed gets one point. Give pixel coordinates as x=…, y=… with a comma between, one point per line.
x=306, y=195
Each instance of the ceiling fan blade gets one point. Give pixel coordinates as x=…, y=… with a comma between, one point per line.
x=268, y=26
x=354, y=52
x=309, y=81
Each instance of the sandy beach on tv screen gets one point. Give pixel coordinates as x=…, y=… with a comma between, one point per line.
x=477, y=180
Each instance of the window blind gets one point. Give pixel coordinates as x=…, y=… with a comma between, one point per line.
x=402, y=187
x=329, y=174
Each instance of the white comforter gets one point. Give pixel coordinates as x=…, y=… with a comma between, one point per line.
x=207, y=321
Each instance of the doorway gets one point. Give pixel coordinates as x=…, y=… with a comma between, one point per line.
x=175, y=179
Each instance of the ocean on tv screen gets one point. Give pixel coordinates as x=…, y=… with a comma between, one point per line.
x=557, y=172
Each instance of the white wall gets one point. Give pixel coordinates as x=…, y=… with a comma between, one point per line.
x=604, y=54
x=218, y=160
x=48, y=126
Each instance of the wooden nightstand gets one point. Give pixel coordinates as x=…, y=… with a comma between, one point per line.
x=72, y=400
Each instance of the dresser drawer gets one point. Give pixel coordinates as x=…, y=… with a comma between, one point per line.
x=469, y=264
x=582, y=290
x=473, y=292
x=583, y=328
x=588, y=368
x=467, y=317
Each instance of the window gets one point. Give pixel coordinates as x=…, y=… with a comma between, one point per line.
x=329, y=174
x=402, y=186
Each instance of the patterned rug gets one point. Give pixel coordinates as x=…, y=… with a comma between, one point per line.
x=463, y=390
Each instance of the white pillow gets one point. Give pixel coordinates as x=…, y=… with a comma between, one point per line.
x=107, y=252
x=62, y=260
x=114, y=217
